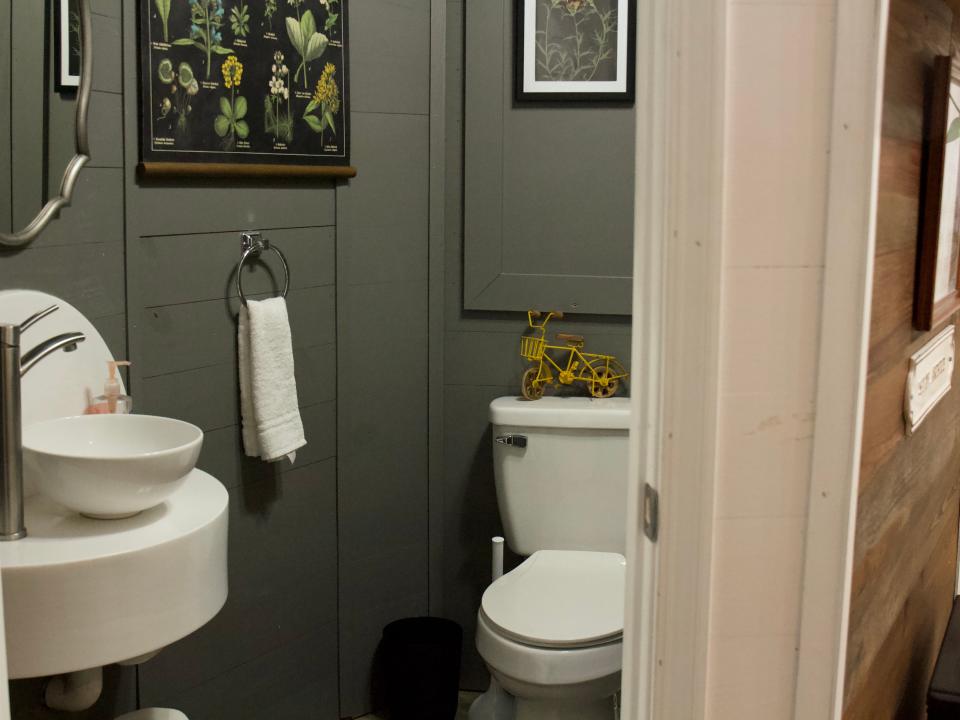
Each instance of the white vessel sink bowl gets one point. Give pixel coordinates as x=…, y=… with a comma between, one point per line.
x=110, y=466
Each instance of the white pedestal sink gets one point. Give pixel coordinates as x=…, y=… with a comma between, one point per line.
x=80, y=593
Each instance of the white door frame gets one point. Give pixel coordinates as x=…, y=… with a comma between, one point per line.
x=677, y=273
x=678, y=266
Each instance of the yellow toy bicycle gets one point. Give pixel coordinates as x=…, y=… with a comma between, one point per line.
x=601, y=373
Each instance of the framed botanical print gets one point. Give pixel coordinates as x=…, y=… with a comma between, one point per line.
x=66, y=16
x=575, y=50
x=937, y=295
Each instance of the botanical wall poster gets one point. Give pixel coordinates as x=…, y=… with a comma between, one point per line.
x=575, y=50
x=67, y=43
x=256, y=82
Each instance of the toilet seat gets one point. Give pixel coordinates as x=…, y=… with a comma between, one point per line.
x=559, y=599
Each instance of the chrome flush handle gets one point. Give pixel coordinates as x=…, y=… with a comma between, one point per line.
x=512, y=440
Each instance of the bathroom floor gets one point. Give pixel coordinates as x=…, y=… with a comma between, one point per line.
x=465, y=699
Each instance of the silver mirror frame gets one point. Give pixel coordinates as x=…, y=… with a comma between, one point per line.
x=70, y=175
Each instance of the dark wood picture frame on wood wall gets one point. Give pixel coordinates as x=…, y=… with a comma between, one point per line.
x=937, y=290
x=246, y=88
x=591, y=58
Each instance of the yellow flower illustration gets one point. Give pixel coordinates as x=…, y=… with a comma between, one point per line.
x=232, y=70
x=327, y=93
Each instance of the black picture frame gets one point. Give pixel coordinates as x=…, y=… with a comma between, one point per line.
x=67, y=56
x=192, y=145
x=524, y=94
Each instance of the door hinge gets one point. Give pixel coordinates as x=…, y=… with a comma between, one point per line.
x=651, y=512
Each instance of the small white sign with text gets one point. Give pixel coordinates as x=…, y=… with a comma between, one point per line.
x=929, y=378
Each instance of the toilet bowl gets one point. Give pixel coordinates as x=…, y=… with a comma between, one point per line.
x=551, y=630
x=154, y=714
x=551, y=633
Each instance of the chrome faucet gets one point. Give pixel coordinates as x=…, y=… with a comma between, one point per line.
x=12, y=368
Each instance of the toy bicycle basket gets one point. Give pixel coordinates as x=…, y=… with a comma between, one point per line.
x=532, y=347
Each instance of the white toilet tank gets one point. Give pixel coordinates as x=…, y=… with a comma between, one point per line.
x=561, y=472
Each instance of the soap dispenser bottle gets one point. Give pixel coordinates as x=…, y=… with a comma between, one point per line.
x=113, y=401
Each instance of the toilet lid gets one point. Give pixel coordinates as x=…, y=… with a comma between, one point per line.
x=560, y=598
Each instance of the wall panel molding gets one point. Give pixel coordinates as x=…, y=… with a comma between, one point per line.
x=548, y=189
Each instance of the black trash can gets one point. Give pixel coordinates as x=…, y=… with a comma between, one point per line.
x=422, y=668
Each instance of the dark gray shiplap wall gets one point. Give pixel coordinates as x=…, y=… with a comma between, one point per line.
x=382, y=328
x=323, y=554
x=272, y=650
x=481, y=363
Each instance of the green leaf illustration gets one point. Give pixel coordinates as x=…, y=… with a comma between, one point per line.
x=206, y=20
x=311, y=107
x=308, y=26
x=328, y=116
x=240, y=20
x=308, y=43
x=331, y=20
x=240, y=107
x=314, y=122
x=165, y=71
x=226, y=108
x=186, y=74
x=269, y=119
x=243, y=130
x=295, y=35
x=221, y=125
x=953, y=133
x=315, y=47
x=163, y=8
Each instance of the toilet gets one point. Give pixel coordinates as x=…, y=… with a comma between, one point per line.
x=551, y=630
x=154, y=714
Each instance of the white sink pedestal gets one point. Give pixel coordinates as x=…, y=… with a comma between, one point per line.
x=80, y=593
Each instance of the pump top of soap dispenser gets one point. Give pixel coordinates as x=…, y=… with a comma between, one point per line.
x=115, y=399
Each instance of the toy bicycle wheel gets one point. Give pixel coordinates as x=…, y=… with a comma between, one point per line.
x=604, y=383
x=532, y=387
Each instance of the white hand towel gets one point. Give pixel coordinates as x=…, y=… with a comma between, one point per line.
x=272, y=428
x=248, y=421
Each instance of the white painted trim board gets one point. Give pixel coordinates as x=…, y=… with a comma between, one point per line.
x=844, y=343
x=677, y=276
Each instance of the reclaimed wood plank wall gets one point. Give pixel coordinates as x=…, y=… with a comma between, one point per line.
x=906, y=535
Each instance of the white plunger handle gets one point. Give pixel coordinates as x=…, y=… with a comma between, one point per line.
x=497, y=557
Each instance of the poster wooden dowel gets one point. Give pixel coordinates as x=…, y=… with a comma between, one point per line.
x=240, y=170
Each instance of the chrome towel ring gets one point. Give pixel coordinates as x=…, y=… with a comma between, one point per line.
x=252, y=244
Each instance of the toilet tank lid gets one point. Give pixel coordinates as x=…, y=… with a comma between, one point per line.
x=562, y=412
